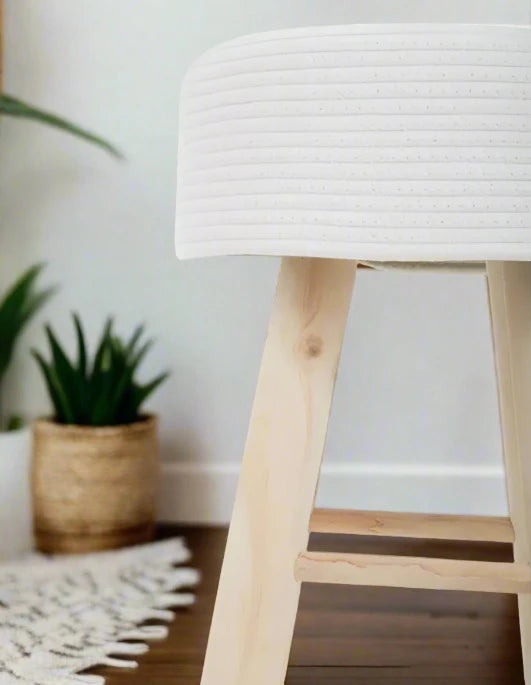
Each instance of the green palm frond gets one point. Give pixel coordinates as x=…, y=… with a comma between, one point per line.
x=13, y=107
x=21, y=302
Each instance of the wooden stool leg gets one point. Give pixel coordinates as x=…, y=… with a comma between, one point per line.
x=510, y=303
x=258, y=596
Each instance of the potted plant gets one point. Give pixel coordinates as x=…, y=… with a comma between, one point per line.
x=95, y=462
x=18, y=306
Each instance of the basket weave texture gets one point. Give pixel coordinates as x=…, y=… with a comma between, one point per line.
x=93, y=488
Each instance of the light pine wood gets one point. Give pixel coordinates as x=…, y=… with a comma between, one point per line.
x=429, y=526
x=258, y=596
x=510, y=306
x=345, y=637
x=412, y=572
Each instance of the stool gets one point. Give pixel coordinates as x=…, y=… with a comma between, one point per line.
x=331, y=146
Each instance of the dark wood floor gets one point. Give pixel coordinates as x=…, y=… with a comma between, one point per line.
x=359, y=636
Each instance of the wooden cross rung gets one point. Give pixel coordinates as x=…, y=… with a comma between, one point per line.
x=429, y=526
x=412, y=572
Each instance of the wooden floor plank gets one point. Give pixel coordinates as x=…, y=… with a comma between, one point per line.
x=359, y=636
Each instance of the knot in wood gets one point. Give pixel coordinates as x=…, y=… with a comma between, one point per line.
x=312, y=346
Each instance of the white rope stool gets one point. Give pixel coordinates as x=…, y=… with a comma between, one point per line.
x=332, y=146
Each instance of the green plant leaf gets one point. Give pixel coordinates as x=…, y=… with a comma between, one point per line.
x=13, y=107
x=130, y=347
x=81, y=346
x=61, y=362
x=100, y=355
x=142, y=392
x=57, y=393
x=66, y=375
x=20, y=303
x=109, y=394
x=139, y=356
x=110, y=383
x=14, y=422
x=34, y=302
x=15, y=299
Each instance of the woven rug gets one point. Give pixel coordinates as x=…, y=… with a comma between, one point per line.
x=60, y=616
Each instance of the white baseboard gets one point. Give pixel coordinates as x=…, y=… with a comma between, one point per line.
x=204, y=493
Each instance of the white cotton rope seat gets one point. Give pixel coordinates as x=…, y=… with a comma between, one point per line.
x=397, y=142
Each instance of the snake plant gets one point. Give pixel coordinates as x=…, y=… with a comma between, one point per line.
x=102, y=391
x=21, y=302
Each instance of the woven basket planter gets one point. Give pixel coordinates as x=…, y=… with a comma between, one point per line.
x=93, y=488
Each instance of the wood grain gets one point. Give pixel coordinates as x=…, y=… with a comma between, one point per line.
x=255, y=611
x=358, y=635
x=510, y=305
x=397, y=524
x=412, y=572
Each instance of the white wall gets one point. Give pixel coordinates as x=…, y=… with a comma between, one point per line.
x=415, y=420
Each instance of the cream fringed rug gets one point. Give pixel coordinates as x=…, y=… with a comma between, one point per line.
x=63, y=615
